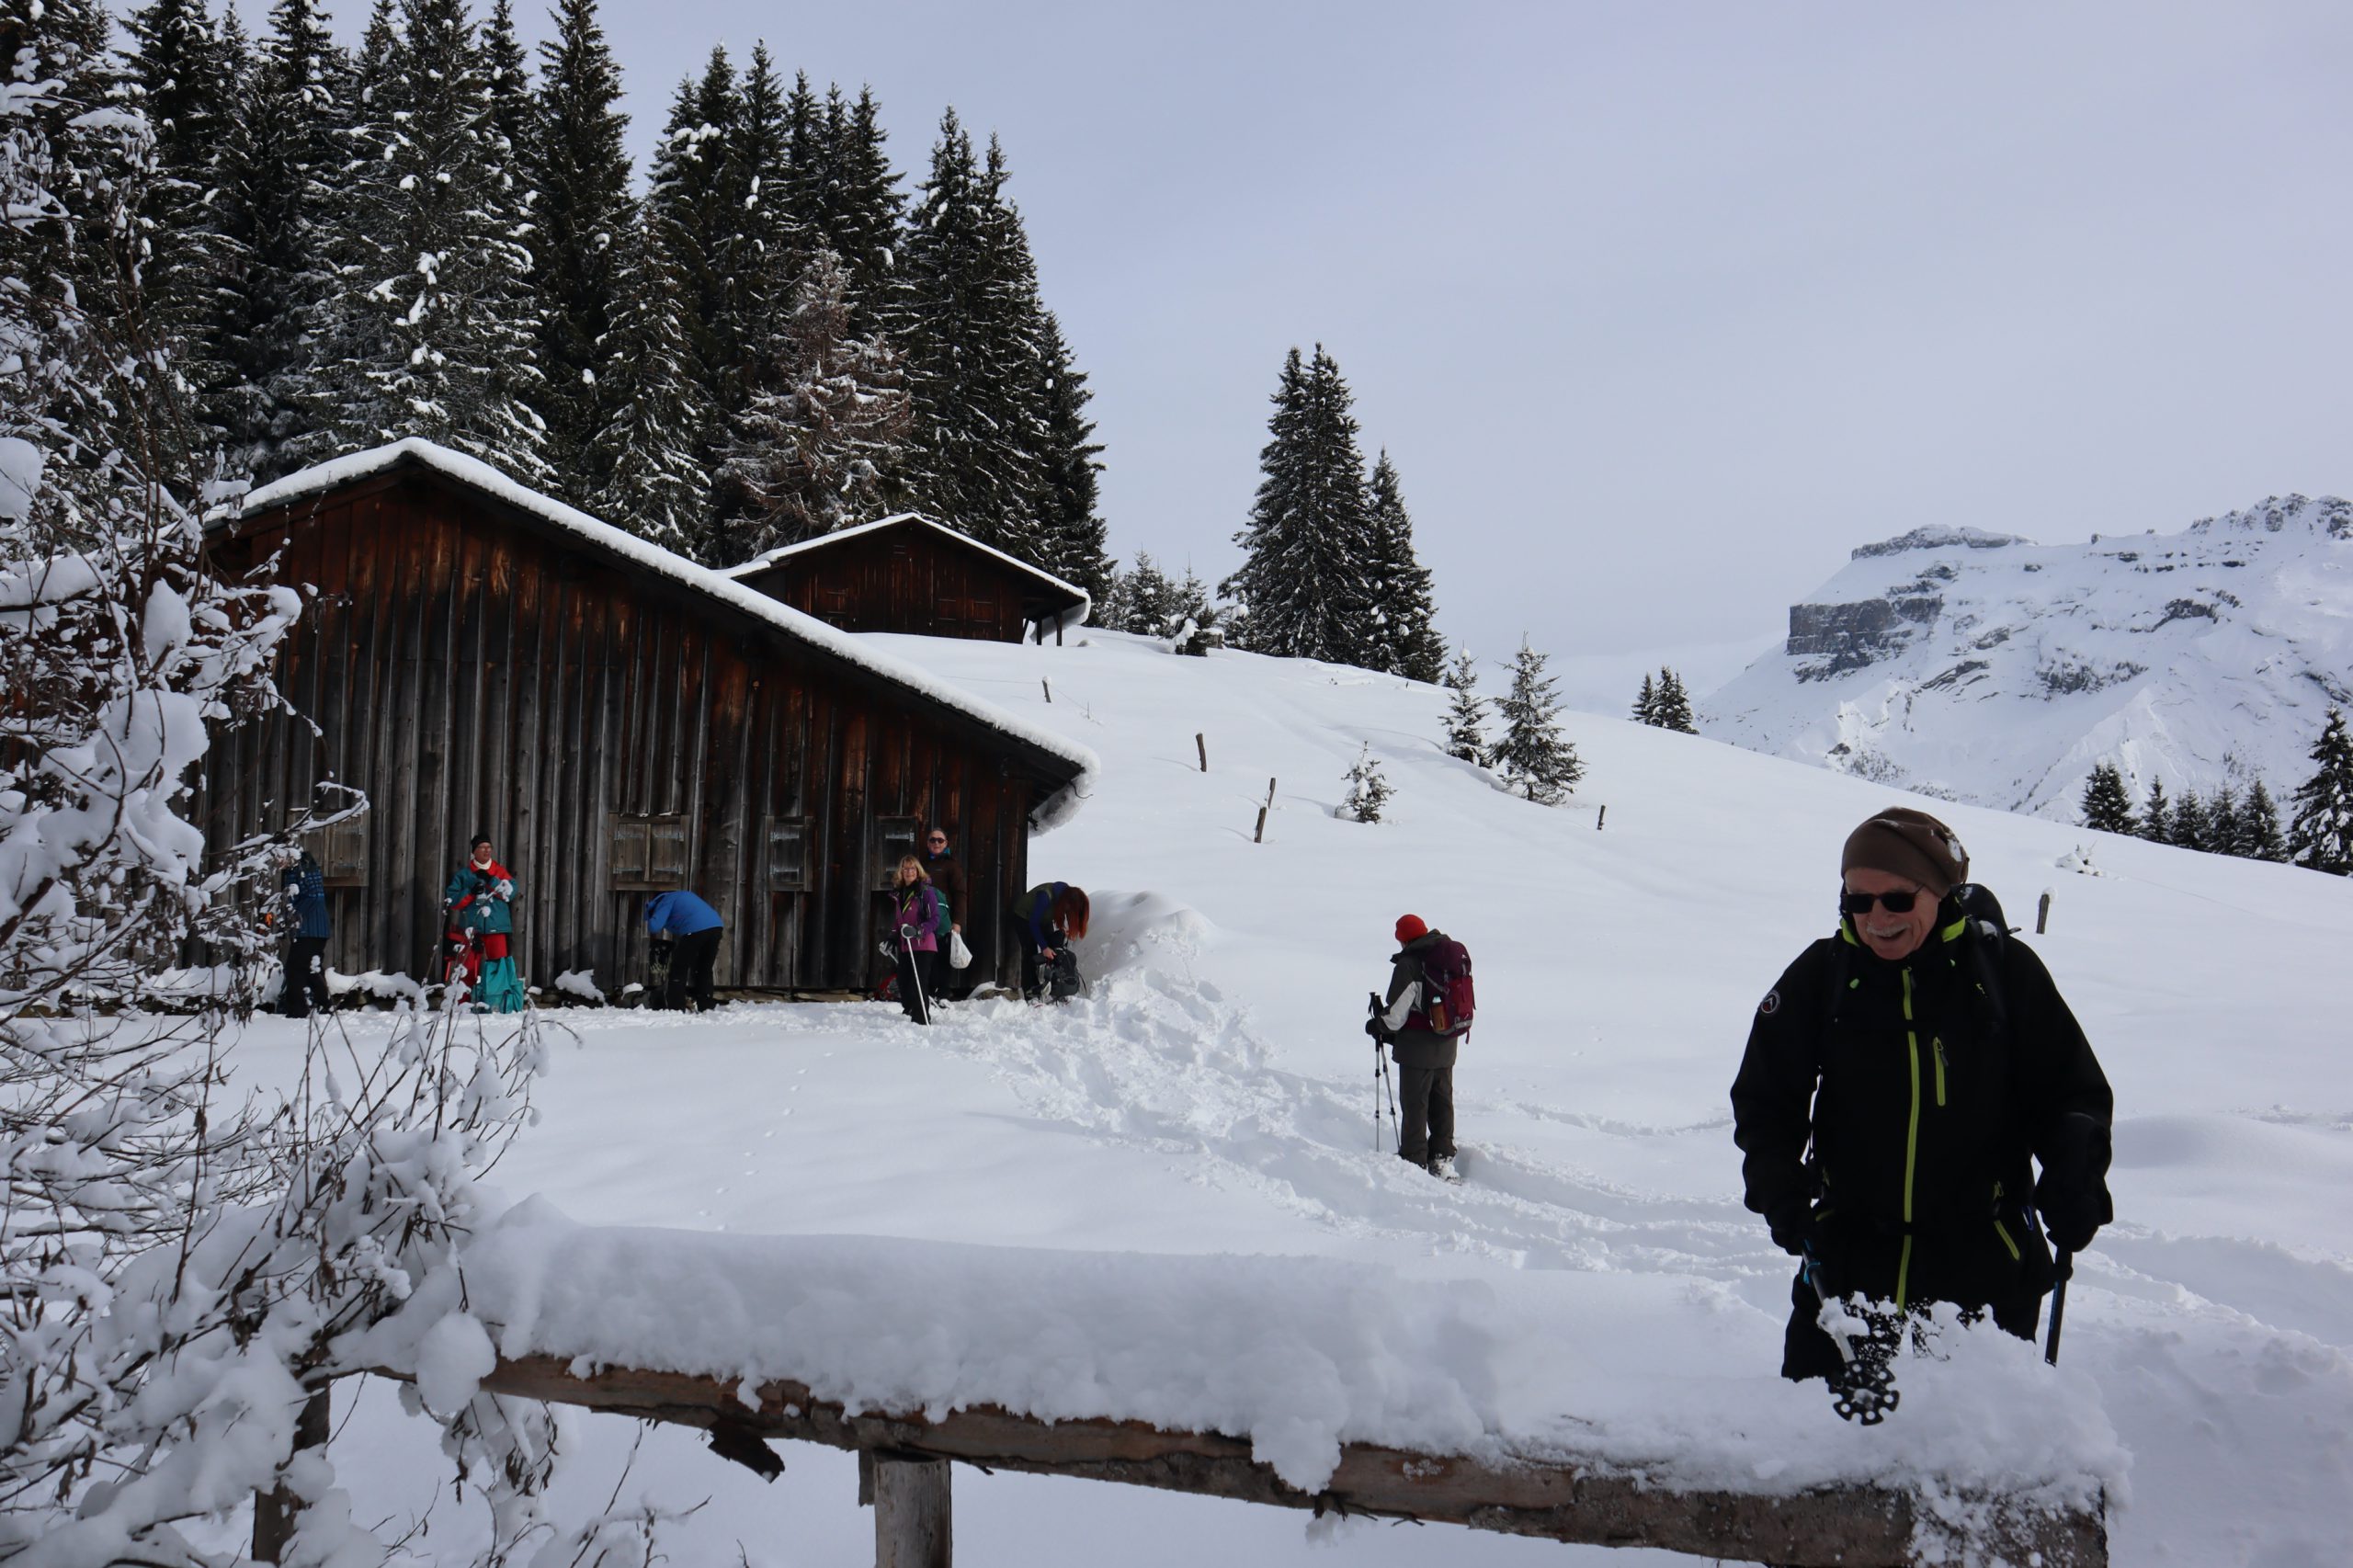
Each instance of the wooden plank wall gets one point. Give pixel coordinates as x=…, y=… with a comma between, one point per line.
x=471, y=673
x=906, y=579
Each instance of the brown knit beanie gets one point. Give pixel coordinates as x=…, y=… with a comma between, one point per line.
x=1909, y=844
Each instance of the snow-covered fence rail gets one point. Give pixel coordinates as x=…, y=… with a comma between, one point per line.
x=1299, y=1381
x=1855, y=1526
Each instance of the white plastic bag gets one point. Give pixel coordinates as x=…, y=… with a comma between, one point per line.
x=958, y=955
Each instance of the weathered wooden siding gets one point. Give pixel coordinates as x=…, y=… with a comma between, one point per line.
x=468, y=672
x=908, y=579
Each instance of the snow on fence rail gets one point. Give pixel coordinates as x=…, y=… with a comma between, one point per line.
x=1303, y=1383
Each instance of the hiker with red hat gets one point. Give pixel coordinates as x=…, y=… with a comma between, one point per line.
x=1426, y=1013
x=1901, y=1082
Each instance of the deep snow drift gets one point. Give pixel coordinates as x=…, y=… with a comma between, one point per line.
x=1985, y=667
x=1212, y=1099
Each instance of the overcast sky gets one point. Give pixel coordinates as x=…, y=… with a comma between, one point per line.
x=1659, y=309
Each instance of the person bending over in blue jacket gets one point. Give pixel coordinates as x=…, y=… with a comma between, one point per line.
x=693, y=928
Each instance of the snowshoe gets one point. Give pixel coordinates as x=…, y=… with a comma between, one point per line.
x=1864, y=1389
x=1443, y=1168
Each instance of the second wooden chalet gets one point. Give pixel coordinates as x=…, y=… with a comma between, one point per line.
x=474, y=657
x=909, y=574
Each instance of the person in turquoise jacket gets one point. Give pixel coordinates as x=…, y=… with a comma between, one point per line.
x=481, y=899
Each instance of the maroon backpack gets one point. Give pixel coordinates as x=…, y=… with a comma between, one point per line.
x=1448, y=999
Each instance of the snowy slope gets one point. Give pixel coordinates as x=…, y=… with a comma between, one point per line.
x=1213, y=1096
x=1981, y=667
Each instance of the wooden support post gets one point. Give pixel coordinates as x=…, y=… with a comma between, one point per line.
x=277, y=1512
x=1598, y=817
x=2042, y=912
x=1260, y=835
x=1201, y=745
x=912, y=1517
x=1049, y=688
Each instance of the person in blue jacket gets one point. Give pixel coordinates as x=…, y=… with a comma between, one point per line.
x=693, y=928
x=305, y=887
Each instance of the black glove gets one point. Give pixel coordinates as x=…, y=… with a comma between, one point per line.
x=1795, y=1226
x=1372, y=1026
x=2072, y=1191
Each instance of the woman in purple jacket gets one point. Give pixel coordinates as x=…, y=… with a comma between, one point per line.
x=917, y=917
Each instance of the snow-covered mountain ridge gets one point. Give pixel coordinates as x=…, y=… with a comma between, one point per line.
x=1984, y=667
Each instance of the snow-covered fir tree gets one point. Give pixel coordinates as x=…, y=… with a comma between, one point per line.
x=2222, y=822
x=1369, y=789
x=1147, y=597
x=581, y=171
x=2106, y=804
x=1304, y=585
x=1071, y=529
x=1466, y=735
x=441, y=338
x=2322, y=834
x=1671, y=705
x=1536, y=759
x=657, y=486
x=809, y=450
x=1191, y=601
x=2187, y=829
x=183, y=73
x=2156, y=817
x=2260, y=838
x=1645, y=708
x=1408, y=614
x=274, y=288
x=969, y=317
x=692, y=196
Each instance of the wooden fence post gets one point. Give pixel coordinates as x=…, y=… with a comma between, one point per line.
x=277, y=1512
x=1049, y=688
x=2042, y=912
x=1260, y=835
x=912, y=1517
x=1598, y=818
x=1202, y=745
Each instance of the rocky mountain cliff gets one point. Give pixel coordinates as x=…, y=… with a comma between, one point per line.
x=1985, y=667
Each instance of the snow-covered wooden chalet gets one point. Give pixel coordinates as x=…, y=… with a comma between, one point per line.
x=909, y=574
x=475, y=656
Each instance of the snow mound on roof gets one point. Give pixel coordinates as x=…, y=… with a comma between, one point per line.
x=336, y=472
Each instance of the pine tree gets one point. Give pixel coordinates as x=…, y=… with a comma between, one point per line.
x=688, y=193
x=809, y=454
x=1466, y=716
x=274, y=290
x=1191, y=601
x=581, y=171
x=2156, y=817
x=439, y=333
x=1672, y=707
x=2108, y=808
x=1408, y=642
x=1645, y=710
x=1537, y=760
x=182, y=74
x=1073, y=546
x=2189, y=828
x=657, y=487
x=1148, y=596
x=973, y=330
x=1369, y=789
x=864, y=208
x=2322, y=835
x=1304, y=585
x=2222, y=831
x=2260, y=825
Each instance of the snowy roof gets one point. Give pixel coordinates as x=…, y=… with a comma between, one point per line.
x=1078, y=764
x=900, y=520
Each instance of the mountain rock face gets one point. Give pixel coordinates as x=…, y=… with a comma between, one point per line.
x=1985, y=667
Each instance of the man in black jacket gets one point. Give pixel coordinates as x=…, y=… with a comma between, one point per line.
x=1899, y=1080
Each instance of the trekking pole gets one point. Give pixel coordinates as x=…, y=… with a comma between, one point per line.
x=914, y=975
x=2065, y=1264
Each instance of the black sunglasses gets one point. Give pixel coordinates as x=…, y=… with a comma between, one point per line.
x=1861, y=902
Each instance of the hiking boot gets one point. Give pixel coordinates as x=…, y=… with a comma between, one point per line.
x=1443, y=1168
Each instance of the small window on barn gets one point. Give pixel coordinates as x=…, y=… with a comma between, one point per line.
x=649, y=853
x=342, y=851
x=788, y=856
x=894, y=837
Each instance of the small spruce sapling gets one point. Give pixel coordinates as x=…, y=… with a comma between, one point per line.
x=1369, y=789
x=1466, y=717
x=1538, y=761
